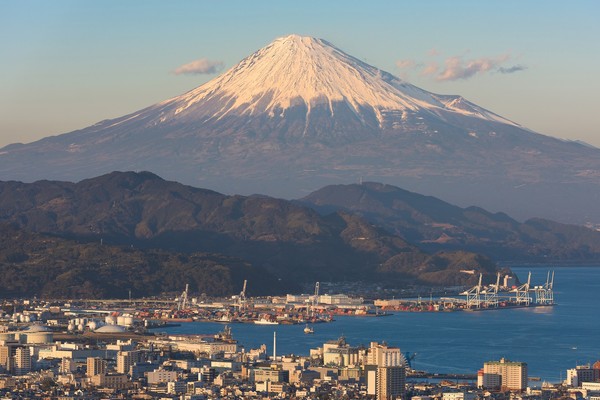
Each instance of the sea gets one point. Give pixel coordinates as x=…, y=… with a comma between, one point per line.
x=549, y=339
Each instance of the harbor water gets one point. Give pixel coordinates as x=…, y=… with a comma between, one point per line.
x=549, y=339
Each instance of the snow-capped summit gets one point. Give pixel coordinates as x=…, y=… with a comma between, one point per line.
x=299, y=71
x=300, y=113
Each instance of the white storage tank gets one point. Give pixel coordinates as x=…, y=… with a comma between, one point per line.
x=110, y=320
x=40, y=337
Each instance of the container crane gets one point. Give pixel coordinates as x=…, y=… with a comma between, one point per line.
x=545, y=294
x=491, y=294
x=473, y=295
x=315, y=300
x=242, y=297
x=182, y=300
x=522, y=292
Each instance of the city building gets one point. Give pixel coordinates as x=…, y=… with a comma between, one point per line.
x=125, y=360
x=161, y=376
x=462, y=395
x=503, y=374
x=340, y=353
x=7, y=352
x=385, y=372
x=22, y=360
x=67, y=365
x=339, y=299
x=582, y=373
x=272, y=374
x=95, y=366
x=176, y=387
x=391, y=382
x=113, y=381
x=207, y=374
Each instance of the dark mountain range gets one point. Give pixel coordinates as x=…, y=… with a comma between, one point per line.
x=33, y=264
x=300, y=114
x=291, y=242
x=435, y=225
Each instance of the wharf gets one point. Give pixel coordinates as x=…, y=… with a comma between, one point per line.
x=432, y=375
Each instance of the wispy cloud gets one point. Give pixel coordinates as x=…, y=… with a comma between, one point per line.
x=404, y=64
x=510, y=70
x=458, y=67
x=201, y=66
x=430, y=69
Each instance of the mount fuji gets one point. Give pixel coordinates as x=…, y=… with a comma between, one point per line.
x=300, y=113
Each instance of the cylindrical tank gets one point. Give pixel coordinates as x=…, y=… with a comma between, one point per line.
x=127, y=321
x=71, y=327
x=80, y=327
x=40, y=337
x=92, y=325
x=110, y=320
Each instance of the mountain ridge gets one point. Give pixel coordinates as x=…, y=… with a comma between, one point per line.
x=291, y=242
x=440, y=145
x=436, y=225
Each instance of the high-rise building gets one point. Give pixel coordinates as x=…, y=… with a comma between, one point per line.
x=383, y=355
x=5, y=358
x=582, y=373
x=95, y=366
x=7, y=353
x=67, y=365
x=504, y=374
x=22, y=360
x=391, y=382
x=126, y=359
x=385, y=372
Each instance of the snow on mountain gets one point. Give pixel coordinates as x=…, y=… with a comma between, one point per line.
x=300, y=113
x=296, y=70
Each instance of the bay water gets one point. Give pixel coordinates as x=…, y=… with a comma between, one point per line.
x=549, y=339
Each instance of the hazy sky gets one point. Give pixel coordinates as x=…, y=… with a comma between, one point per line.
x=65, y=65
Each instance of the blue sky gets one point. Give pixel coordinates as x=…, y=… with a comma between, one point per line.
x=66, y=65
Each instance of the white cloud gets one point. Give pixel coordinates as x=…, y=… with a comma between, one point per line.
x=404, y=64
x=201, y=66
x=457, y=68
